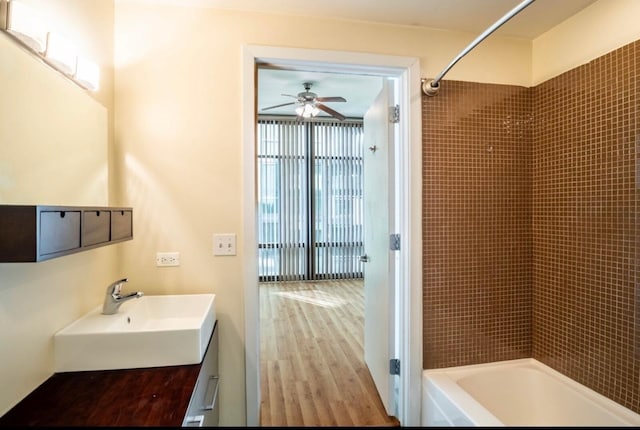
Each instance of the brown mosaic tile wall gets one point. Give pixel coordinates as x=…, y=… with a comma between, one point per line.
x=585, y=224
x=531, y=240
x=476, y=224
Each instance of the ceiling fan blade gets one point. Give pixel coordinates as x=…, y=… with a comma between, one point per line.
x=331, y=99
x=283, y=104
x=289, y=95
x=330, y=111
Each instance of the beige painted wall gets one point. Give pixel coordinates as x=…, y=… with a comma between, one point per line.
x=178, y=137
x=53, y=150
x=596, y=30
x=54, y=135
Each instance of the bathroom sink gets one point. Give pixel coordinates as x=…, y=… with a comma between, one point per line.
x=152, y=331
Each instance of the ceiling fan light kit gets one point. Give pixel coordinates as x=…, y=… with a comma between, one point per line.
x=309, y=104
x=307, y=111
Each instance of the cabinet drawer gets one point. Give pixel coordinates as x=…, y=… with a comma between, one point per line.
x=204, y=407
x=121, y=224
x=95, y=227
x=206, y=414
x=59, y=231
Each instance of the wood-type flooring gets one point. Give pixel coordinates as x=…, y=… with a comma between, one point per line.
x=312, y=358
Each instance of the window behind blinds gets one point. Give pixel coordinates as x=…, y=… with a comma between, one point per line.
x=310, y=205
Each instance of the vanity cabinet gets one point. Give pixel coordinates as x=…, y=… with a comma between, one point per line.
x=37, y=233
x=203, y=410
x=164, y=396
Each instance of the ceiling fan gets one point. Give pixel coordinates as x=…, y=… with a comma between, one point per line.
x=309, y=104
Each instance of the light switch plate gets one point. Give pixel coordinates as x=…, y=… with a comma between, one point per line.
x=224, y=244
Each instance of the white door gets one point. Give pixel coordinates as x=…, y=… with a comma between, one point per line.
x=378, y=266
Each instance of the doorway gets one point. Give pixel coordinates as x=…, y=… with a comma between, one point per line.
x=317, y=307
x=408, y=322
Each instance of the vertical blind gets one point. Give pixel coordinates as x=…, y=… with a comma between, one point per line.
x=310, y=207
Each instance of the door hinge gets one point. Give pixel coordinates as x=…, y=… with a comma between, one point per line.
x=394, y=114
x=394, y=242
x=394, y=366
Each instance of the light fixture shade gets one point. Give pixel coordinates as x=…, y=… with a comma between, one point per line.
x=307, y=110
x=87, y=74
x=61, y=54
x=26, y=25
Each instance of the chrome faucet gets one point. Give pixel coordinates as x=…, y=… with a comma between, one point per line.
x=113, y=299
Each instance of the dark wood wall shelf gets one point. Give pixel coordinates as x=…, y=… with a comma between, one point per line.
x=32, y=233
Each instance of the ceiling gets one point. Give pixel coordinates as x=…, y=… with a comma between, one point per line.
x=473, y=16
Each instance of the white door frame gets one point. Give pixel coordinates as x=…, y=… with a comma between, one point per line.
x=408, y=183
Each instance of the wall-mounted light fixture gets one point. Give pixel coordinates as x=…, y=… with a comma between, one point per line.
x=61, y=54
x=25, y=26
x=87, y=74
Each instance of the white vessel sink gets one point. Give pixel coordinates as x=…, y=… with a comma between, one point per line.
x=150, y=331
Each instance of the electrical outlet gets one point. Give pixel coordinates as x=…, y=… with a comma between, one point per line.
x=224, y=244
x=167, y=259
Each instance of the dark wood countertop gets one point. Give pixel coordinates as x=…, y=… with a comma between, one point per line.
x=157, y=396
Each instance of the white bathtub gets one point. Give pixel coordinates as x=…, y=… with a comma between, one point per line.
x=515, y=393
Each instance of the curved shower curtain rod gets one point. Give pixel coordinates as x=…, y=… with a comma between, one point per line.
x=431, y=87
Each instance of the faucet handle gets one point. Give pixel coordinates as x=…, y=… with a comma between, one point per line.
x=116, y=286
